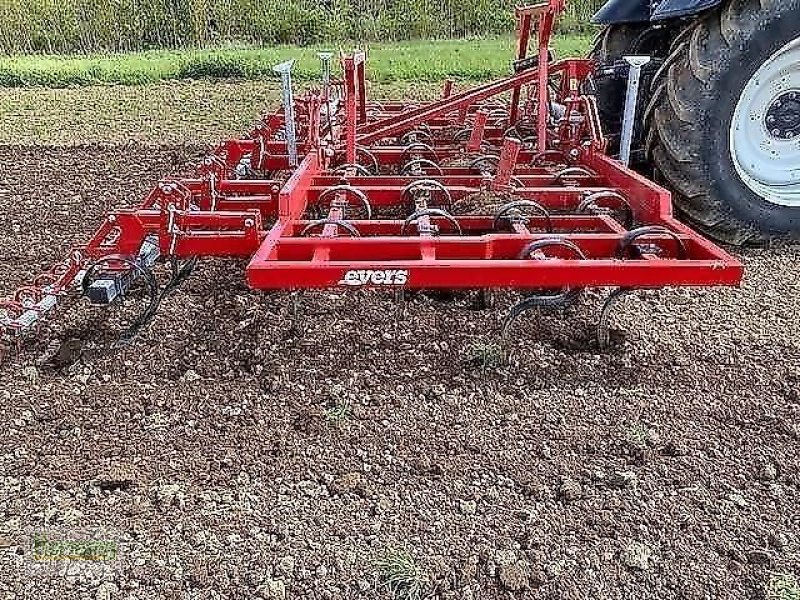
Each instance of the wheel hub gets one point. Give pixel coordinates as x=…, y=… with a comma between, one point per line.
x=783, y=116
x=765, y=130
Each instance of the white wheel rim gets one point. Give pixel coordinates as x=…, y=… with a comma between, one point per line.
x=766, y=162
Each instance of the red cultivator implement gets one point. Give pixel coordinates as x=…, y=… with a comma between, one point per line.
x=503, y=186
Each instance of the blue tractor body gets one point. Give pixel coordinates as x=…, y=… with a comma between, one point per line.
x=641, y=11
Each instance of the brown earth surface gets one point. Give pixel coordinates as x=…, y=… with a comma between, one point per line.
x=307, y=445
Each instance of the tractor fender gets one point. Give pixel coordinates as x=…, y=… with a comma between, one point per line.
x=670, y=9
x=616, y=12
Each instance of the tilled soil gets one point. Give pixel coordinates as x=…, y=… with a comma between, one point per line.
x=289, y=445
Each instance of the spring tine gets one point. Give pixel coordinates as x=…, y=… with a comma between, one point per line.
x=562, y=299
x=603, y=330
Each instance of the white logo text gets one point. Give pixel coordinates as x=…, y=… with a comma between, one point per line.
x=379, y=277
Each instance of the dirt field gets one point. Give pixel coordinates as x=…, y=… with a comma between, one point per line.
x=308, y=446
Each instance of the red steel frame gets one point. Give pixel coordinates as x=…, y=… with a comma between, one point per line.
x=552, y=158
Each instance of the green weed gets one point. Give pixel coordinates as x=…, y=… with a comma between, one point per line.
x=400, y=575
x=339, y=412
x=782, y=586
x=485, y=355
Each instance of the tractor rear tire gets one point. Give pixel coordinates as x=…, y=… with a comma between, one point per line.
x=723, y=124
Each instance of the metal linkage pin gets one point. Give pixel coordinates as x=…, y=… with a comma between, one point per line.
x=285, y=71
x=631, y=101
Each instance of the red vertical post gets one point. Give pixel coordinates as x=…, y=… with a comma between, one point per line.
x=545, y=31
x=447, y=90
x=293, y=195
x=361, y=78
x=524, y=34
x=350, y=99
x=570, y=87
x=476, y=138
x=508, y=160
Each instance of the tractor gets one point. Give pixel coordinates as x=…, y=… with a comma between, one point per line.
x=719, y=108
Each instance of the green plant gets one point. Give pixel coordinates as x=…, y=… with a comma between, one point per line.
x=339, y=411
x=212, y=66
x=399, y=574
x=636, y=434
x=486, y=355
x=782, y=586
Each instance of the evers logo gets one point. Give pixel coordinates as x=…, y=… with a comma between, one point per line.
x=370, y=277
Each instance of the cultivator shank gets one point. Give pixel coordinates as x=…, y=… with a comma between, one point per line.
x=502, y=186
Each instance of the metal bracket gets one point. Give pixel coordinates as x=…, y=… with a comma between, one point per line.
x=631, y=101
x=285, y=71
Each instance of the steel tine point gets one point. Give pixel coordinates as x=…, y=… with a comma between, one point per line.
x=603, y=329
